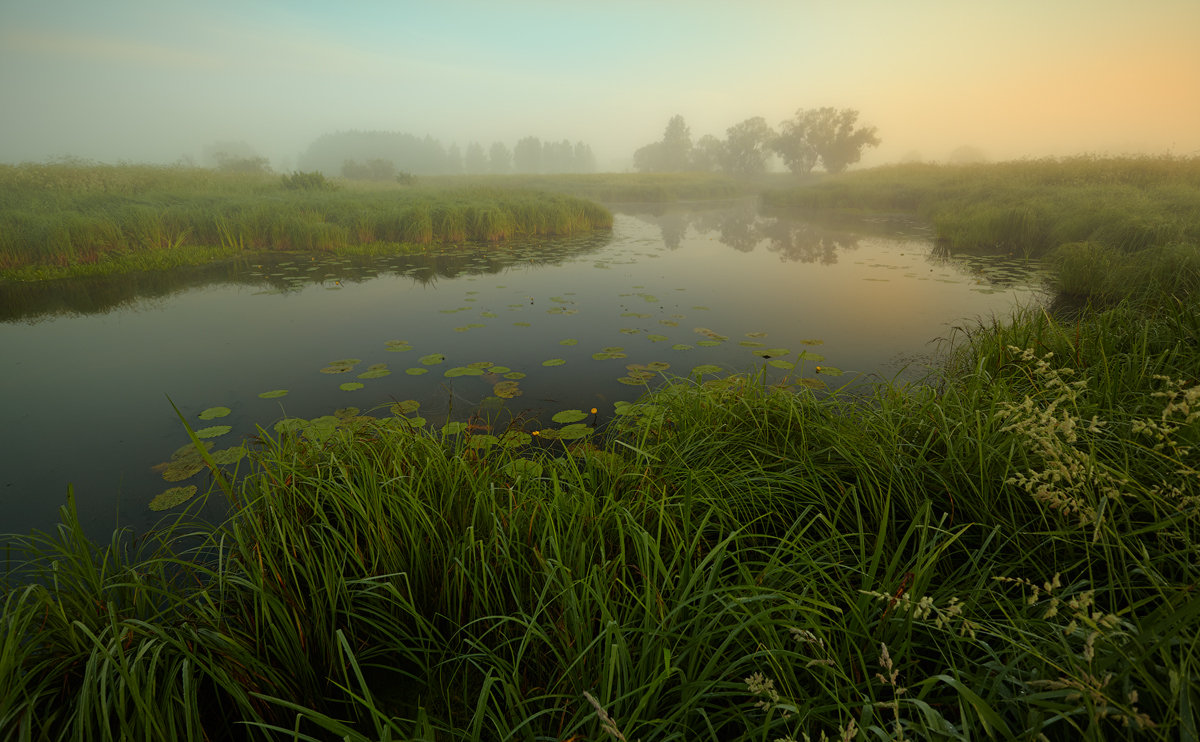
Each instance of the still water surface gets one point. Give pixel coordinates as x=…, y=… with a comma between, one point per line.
x=87, y=368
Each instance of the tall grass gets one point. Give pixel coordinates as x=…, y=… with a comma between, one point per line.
x=75, y=219
x=1009, y=557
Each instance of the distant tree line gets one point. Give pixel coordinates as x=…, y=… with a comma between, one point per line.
x=817, y=136
x=385, y=155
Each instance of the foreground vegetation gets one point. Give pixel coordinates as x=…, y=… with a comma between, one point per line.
x=73, y=219
x=1008, y=551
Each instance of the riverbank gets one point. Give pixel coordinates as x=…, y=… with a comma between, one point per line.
x=1007, y=550
x=63, y=220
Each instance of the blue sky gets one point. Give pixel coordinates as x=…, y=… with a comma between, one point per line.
x=155, y=81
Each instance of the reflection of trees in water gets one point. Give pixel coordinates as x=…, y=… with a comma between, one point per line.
x=35, y=301
x=743, y=228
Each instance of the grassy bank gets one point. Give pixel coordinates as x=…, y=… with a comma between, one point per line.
x=60, y=220
x=1116, y=227
x=1010, y=556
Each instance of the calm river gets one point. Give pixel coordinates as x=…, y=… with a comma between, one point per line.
x=87, y=367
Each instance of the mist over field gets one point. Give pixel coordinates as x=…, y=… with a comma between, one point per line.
x=165, y=82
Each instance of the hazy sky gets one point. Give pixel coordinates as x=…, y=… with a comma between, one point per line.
x=155, y=80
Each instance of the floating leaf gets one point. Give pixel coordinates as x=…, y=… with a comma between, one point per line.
x=376, y=371
x=454, y=428
x=751, y=344
x=350, y=386
x=518, y=468
x=432, y=359
x=629, y=331
x=554, y=362
x=172, y=497
x=499, y=370
x=213, y=431
x=812, y=383
x=483, y=440
x=522, y=324
x=708, y=343
x=639, y=315
x=569, y=416
x=631, y=381
x=228, y=456
x=812, y=342
x=179, y=470
x=405, y=407
x=345, y=413
x=514, y=375
x=668, y=322
x=574, y=432
x=397, y=344
x=214, y=412
x=779, y=363
x=506, y=390
x=806, y=356
x=681, y=346
x=336, y=369
x=656, y=338
x=290, y=425
x=274, y=394
x=756, y=334
x=416, y=371
x=514, y=439
x=658, y=365
x=568, y=341
x=706, y=368
x=462, y=371
x=829, y=371
x=480, y=364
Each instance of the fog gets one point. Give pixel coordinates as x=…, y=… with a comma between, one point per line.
x=159, y=81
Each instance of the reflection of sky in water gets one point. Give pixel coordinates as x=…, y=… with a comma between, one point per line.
x=85, y=396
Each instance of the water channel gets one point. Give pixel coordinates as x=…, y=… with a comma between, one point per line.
x=87, y=367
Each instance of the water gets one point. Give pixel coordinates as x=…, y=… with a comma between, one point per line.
x=88, y=368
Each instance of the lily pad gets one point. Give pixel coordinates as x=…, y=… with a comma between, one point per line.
x=480, y=364
x=454, y=428
x=375, y=371
x=681, y=346
x=569, y=416
x=574, y=432
x=483, y=440
x=806, y=356
x=462, y=371
x=812, y=342
x=829, y=371
x=290, y=425
x=708, y=343
x=554, y=362
x=507, y=390
x=214, y=431
x=337, y=369
x=213, y=413
x=432, y=359
x=181, y=469
x=656, y=338
x=416, y=371
x=405, y=407
x=706, y=368
x=514, y=439
x=515, y=375
x=273, y=394
x=780, y=363
x=518, y=468
x=351, y=386
x=499, y=370
x=756, y=334
x=227, y=456
x=522, y=324
x=658, y=365
x=812, y=383
x=568, y=341
x=172, y=497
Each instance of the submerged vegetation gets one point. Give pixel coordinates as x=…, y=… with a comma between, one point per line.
x=72, y=219
x=1007, y=551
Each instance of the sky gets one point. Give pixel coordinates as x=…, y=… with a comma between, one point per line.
x=160, y=80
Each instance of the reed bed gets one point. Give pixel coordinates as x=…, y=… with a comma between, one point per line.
x=72, y=219
x=1111, y=226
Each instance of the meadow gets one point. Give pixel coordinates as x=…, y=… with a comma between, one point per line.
x=76, y=219
x=1006, y=550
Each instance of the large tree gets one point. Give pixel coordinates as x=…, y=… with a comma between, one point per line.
x=793, y=147
x=499, y=158
x=708, y=154
x=745, y=151
x=475, y=162
x=832, y=136
x=527, y=155
x=672, y=153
